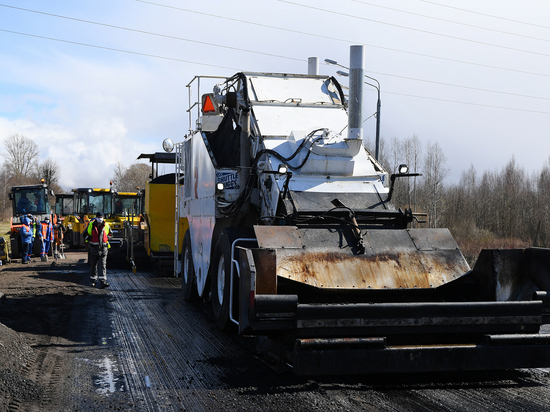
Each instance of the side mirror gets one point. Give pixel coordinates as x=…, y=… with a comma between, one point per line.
x=168, y=145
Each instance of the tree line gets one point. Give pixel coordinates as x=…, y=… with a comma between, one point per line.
x=492, y=209
x=507, y=208
x=22, y=166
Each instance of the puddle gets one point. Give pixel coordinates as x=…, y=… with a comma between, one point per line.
x=108, y=380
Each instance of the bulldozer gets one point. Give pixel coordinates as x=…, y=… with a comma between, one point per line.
x=292, y=236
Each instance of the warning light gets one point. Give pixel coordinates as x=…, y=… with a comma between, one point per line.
x=208, y=104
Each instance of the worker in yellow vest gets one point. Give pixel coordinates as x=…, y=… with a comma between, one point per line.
x=97, y=236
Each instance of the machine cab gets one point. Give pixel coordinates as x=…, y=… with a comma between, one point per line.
x=88, y=201
x=33, y=199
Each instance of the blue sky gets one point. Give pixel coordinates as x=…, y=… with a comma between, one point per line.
x=98, y=82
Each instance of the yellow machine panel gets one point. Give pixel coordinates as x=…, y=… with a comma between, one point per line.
x=160, y=210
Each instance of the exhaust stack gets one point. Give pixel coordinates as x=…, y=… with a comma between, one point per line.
x=313, y=66
x=357, y=68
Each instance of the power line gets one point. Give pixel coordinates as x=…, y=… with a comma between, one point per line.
x=251, y=51
x=451, y=21
x=486, y=14
x=467, y=103
x=246, y=50
x=413, y=29
x=117, y=50
x=487, y=66
x=150, y=33
x=231, y=68
x=234, y=69
x=461, y=86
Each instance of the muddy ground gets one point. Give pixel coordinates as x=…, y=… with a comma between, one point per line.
x=137, y=346
x=35, y=306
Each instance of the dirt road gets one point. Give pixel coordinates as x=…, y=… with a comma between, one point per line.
x=138, y=346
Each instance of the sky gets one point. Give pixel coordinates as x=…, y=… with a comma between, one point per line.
x=97, y=83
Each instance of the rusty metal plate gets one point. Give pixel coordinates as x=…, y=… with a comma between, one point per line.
x=404, y=270
x=433, y=239
x=278, y=237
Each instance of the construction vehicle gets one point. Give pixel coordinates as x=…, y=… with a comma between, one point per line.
x=87, y=202
x=4, y=251
x=294, y=239
x=128, y=212
x=64, y=205
x=28, y=199
x=156, y=231
x=127, y=206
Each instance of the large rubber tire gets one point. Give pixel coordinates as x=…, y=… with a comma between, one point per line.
x=220, y=280
x=188, y=278
x=220, y=275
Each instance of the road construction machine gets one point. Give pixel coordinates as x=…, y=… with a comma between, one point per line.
x=158, y=214
x=64, y=205
x=293, y=238
x=28, y=199
x=86, y=203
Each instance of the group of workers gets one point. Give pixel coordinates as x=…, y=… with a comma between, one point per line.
x=48, y=234
x=96, y=235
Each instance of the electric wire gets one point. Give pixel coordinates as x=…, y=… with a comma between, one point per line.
x=251, y=51
x=450, y=21
x=414, y=29
x=117, y=50
x=347, y=41
x=151, y=33
x=468, y=103
x=235, y=69
x=461, y=86
x=256, y=52
x=302, y=33
x=486, y=14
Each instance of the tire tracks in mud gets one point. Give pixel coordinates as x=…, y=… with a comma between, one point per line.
x=164, y=346
x=165, y=354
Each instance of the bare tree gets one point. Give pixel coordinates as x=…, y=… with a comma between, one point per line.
x=412, y=150
x=49, y=171
x=118, y=178
x=435, y=173
x=136, y=176
x=21, y=156
x=130, y=179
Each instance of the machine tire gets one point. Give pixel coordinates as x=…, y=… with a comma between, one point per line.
x=220, y=286
x=188, y=278
x=221, y=266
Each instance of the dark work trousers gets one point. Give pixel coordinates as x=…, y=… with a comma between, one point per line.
x=97, y=257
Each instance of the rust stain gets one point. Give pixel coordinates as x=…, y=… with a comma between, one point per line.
x=381, y=271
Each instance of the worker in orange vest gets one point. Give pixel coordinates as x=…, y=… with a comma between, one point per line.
x=58, y=231
x=47, y=238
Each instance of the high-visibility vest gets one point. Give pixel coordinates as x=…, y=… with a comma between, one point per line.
x=47, y=231
x=58, y=232
x=98, y=238
x=26, y=233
